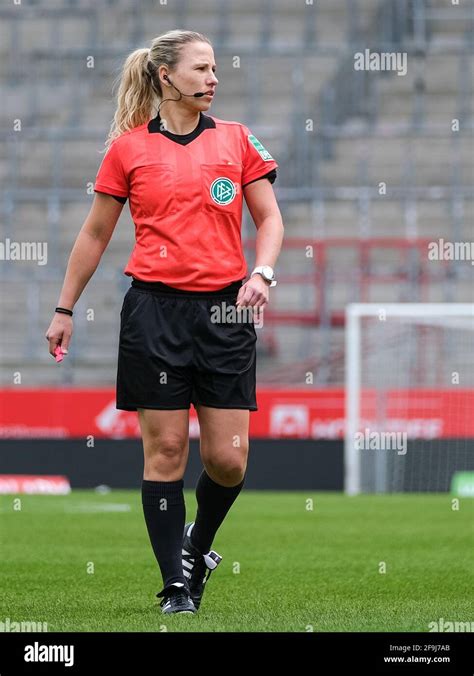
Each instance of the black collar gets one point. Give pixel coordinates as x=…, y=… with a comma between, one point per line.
x=205, y=122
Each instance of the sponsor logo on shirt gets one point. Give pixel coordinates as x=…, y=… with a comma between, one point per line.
x=222, y=190
x=264, y=154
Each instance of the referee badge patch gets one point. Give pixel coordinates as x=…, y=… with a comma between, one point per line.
x=222, y=191
x=264, y=154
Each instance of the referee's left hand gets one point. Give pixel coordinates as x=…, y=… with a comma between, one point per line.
x=254, y=293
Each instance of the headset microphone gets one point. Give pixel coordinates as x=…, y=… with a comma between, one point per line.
x=197, y=94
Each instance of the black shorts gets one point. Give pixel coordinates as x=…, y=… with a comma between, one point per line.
x=181, y=347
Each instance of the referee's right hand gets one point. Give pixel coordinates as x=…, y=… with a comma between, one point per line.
x=59, y=332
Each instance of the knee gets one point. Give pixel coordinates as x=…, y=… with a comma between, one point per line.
x=165, y=453
x=170, y=447
x=227, y=472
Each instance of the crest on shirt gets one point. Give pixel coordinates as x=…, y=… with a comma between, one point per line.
x=222, y=190
x=264, y=154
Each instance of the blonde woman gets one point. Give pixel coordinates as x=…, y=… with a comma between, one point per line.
x=185, y=174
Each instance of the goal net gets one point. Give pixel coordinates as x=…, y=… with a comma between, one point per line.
x=409, y=418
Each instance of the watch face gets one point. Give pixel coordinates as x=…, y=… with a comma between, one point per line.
x=267, y=272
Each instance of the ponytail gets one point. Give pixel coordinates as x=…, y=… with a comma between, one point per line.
x=135, y=97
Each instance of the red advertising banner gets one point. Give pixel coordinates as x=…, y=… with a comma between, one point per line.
x=34, y=484
x=301, y=414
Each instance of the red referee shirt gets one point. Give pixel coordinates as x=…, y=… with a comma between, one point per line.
x=185, y=195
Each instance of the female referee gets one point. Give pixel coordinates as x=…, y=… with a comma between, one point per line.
x=184, y=174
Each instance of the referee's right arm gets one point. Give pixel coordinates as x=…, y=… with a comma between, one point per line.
x=86, y=253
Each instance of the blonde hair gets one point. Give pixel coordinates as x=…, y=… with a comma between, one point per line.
x=139, y=86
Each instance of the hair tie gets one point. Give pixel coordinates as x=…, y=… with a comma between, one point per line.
x=149, y=68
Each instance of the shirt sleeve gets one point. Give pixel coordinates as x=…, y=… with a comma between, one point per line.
x=271, y=177
x=111, y=177
x=257, y=161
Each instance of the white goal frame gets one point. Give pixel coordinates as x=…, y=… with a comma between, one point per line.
x=354, y=313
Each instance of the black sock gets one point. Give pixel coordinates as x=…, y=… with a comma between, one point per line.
x=214, y=501
x=165, y=512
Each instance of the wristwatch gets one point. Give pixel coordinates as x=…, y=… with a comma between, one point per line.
x=267, y=273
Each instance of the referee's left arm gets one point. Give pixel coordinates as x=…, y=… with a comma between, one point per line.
x=266, y=215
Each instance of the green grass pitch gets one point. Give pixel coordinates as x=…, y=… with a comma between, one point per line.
x=83, y=562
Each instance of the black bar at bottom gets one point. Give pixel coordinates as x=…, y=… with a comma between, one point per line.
x=369, y=653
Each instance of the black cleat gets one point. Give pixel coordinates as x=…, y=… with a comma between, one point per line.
x=176, y=599
x=197, y=567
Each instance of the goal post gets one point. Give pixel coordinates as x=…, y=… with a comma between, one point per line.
x=409, y=396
